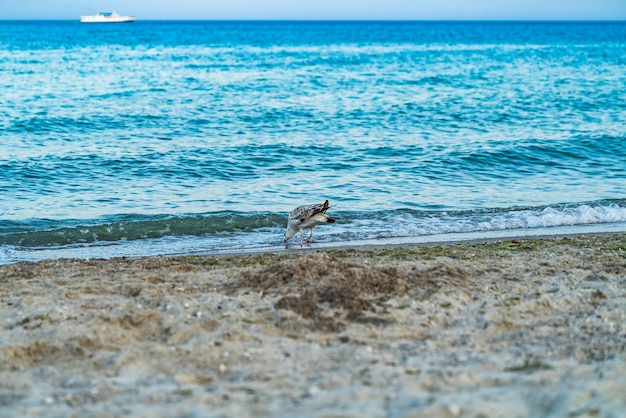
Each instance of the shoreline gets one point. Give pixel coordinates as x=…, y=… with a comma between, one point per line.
x=426, y=240
x=204, y=246
x=522, y=326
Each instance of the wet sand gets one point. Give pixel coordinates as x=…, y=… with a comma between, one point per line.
x=515, y=328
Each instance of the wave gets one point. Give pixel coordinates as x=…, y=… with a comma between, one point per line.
x=42, y=232
x=412, y=223
x=257, y=226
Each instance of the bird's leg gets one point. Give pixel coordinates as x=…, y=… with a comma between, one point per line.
x=308, y=240
x=301, y=237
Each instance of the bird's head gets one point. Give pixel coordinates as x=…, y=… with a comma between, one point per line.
x=289, y=233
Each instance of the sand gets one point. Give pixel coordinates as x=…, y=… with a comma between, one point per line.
x=515, y=328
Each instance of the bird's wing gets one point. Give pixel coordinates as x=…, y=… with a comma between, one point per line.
x=304, y=212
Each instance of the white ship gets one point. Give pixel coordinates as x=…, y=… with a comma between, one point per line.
x=107, y=17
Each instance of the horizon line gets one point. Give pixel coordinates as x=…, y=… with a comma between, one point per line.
x=342, y=19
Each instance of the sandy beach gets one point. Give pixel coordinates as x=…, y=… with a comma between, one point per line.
x=516, y=328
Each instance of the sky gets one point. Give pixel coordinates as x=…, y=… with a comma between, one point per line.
x=322, y=9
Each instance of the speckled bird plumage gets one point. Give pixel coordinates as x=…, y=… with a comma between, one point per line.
x=307, y=217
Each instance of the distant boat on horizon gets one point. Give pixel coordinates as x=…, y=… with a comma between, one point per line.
x=107, y=17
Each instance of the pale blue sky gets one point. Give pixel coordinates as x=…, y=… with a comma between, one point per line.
x=320, y=9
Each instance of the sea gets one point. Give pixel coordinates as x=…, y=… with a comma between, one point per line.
x=199, y=137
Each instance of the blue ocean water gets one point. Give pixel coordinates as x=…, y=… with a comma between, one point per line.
x=181, y=136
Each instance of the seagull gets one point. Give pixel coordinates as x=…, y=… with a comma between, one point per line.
x=307, y=217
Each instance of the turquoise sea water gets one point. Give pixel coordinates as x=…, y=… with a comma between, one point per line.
x=173, y=137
